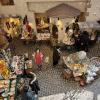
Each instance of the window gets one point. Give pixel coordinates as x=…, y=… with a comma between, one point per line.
x=7, y=2
x=42, y=23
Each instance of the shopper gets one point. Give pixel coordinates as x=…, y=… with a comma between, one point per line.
x=77, y=40
x=34, y=84
x=27, y=94
x=75, y=26
x=84, y=41
x=26, y=58
x=38, y=57
x=56, y=56
x=55, y=31
x=25, y=20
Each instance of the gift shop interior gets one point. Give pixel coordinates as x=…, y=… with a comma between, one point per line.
x=58, y=53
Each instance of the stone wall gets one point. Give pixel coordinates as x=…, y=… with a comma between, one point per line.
x=94, y=11
x=21, y=7
x=41, y=7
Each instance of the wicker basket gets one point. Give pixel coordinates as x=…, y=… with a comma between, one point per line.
x=66, y=74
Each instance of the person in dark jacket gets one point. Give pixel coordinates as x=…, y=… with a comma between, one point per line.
x=84, y=41
x=54, y=31
x=26, y=58
x=34, y=84
x=27, y=94
x=56, y=56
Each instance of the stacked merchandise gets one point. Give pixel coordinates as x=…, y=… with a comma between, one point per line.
x=12, y=90
x=19, y=63
x=15, y=63
x=77, y=62
x=3, y=69
x=27, y=30
x=11, y=26
x=4, y=89
x=84, y=69
x=7, y=84
x=6, y=55
x=43, y=36
x=93, y=69
x=8, y=88
x=8, y=80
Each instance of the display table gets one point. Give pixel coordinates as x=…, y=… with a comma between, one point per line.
x=8, y=88
x=28, y=39
x=39, y=37
x=43, y=36
x=84, y=70
x=76, y=64
x=19, y=63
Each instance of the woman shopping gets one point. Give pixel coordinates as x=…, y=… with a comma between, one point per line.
x=38, y=57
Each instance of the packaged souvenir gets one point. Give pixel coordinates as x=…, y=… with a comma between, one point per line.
x=94, y=68
x=89, y=79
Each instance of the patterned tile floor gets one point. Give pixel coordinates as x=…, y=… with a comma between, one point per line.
x=54, y=97
x=84, y=95
x=50, y=79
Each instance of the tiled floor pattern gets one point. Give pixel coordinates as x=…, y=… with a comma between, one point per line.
x=54, y=97
x=52, y=81
x=84, y=95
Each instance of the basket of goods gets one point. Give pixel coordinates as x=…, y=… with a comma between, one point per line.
x=93, y=69
x=76, y=66
x=3, y=69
